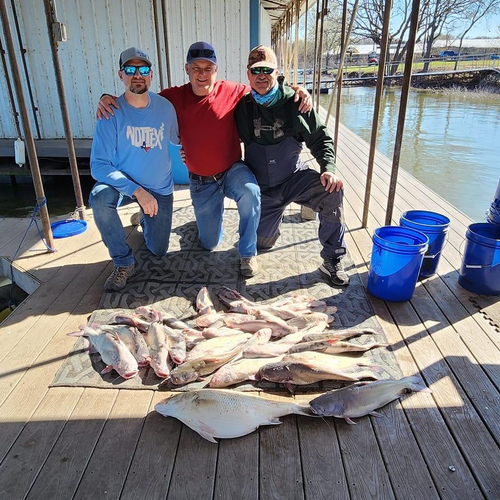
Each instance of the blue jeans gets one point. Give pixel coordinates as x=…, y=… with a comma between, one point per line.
x=239, y=184
x=105, y=199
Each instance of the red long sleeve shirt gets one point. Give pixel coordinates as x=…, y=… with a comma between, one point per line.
x=207, y=127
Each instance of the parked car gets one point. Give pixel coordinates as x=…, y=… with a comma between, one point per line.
x=495, y=56
x=448, y=53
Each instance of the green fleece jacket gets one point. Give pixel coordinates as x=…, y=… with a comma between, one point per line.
x=306, y=127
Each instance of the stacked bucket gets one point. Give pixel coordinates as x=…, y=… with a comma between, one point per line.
x=480, y=271
x=403, y=253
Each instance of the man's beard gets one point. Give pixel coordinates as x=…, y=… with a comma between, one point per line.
x=136, y=90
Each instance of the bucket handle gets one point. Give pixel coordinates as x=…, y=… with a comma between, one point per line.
x=436, y=254
x=470, y=266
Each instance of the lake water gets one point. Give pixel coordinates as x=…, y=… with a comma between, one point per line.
x=451, y=140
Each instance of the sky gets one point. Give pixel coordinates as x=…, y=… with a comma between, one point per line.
x=487, y=28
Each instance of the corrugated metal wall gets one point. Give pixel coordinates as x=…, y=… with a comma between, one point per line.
x=98, y=30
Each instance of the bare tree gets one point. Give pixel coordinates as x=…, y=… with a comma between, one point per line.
x=475, y=11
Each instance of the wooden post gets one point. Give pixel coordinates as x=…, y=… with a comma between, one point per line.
x=315, y=60
x=320, y=50
x=30, y=143
x=376, y=109
x=402, y=110
x=305, y=42
x=296, y=48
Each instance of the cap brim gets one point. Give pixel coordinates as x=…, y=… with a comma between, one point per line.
x=140, y=59
x=202, y=59
x=263, y=64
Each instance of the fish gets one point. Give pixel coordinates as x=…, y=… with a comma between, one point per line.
x=133, y=339
x=221, y=413
x=204, y=304
x=114, y=353
x=239, y=371
x=314, y=321
x=334, y=346
x=273, y=349
x=176, y=344
x=339, y=334
x=208, y=319
x=218, y=345
x=158, y=350
x=136, y=322
x=303, y=372
x=279, y=327
x=364, y=398
x=212, y=332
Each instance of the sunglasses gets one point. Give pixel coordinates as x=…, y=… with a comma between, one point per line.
x=258, y=71
x=194, y=53
x=131, y=70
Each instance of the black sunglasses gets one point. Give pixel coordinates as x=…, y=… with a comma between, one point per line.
x=194, y=53
x=131, y=70
x=258, y=71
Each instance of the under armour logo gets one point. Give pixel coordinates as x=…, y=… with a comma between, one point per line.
x=275, y=127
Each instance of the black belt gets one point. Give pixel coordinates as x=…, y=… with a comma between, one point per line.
x=206, y=178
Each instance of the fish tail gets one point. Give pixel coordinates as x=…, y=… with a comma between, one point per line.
x=416, y=384
x=304, y=410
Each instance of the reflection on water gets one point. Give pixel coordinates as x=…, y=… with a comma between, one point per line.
x=451, y=140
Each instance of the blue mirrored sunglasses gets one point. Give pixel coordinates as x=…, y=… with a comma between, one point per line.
x=258, y=71
x=131, y=70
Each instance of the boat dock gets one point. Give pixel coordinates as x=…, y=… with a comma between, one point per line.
x=93, y=443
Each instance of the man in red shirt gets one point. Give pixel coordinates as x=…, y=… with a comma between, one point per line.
x=205, y=113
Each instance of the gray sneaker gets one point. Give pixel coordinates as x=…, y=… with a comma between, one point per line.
x=335, y=269
x=248, y=266
x=135, y=219
x=118, y=278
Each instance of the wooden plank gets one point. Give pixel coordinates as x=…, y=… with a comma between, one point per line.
x=280, y=461
x=435, y=441
x=61, y=473
x=194, y=469
x=321, y=459
x=238, y=468
x=11, y=227
x=153, y=462
x=25, y=459
x=108, y=467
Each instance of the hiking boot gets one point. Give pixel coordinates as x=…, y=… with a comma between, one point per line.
x=118, y=278
x=248, y=266
x=135, y=219
x=335, y=269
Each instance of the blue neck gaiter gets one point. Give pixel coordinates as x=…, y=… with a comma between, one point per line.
x=267, y=99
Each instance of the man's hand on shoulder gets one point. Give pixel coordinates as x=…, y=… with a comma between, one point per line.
x=305, y=99
x=331, y=182
x=105, y=106
x=147, y=202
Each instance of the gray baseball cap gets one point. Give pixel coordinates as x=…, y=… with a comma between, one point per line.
x=133, y=53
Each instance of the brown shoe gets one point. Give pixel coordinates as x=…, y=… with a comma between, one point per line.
x=135, y=219
x=248, y=266
x=118, y=278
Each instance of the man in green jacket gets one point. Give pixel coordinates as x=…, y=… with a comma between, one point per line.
x=273, y=131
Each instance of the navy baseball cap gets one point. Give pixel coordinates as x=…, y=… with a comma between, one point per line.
x=201, y=50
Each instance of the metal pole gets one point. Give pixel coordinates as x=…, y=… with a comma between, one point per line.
x=315, y=49
x=343, y=45
x=165, y=34
x=51, y=19
x=376, y=110
x=320, y=51
x=30, y=143
x=342, y=58
x=158, y=45
x=15, y=114
x=305, y=43
x=25, y=68
x=402, y=110
x=296, y=48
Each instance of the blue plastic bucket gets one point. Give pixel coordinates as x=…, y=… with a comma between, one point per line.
x=480, y=271
x=494, y=213
x=436, y=227
x=396, y=260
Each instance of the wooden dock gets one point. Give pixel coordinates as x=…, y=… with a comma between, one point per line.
x=62, y=443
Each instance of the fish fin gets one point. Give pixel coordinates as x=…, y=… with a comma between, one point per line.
x=206, y=432
x=274, y=421
x=207, y=436
x=290, y=387
x=97, y=358
x=108, y=369
x=376, y=414
x=349, y=421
